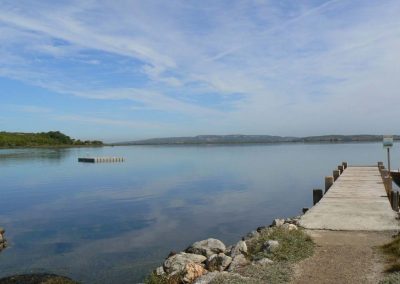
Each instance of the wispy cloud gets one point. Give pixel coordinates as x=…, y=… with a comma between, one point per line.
x=279, y=67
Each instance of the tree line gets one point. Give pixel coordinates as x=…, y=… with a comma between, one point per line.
x=51, y=138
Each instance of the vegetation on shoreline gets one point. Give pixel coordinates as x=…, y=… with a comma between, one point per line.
x=51, y=138
x=294, y=245
x=392, y=250
x=255, y=139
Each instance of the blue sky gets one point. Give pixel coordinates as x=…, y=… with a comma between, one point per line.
x=125, y=70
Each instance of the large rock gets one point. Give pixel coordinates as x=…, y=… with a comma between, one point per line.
x=270, y=246
x=252, y=235
x=239, y=248
x=289, y=227
x=238, y=261
x=37, y=278
x=160, y=271
x=192, y=271
x=218, y=262
x=207, y=247
x=177, y=263
x=2, y=239
x=278, y=222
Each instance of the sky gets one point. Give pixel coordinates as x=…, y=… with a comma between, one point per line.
x=126, y=70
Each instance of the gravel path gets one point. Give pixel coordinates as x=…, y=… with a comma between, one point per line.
x=343, y=257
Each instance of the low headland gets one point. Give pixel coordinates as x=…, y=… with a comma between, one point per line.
x=42, y=139
x=255, y=139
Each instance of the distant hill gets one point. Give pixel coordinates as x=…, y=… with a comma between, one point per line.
x=51, y=138
x=243, y=139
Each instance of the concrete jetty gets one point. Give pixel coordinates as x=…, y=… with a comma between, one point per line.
x=100, y=159
x=356, y=201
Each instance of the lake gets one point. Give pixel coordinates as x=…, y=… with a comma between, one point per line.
x=114, y=222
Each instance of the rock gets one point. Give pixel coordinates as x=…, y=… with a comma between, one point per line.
x=238, y=261
x=171, y=253
x=270, y=246
x=207, y=247
x=218, y=262
x=263, y=261
x=251, y=235
x=192, y=271
x=177, y=263
x=160, y=271
x=239, y=248
x=261, y=228
x=37, y=278
x=289, y=227
x=278, y=222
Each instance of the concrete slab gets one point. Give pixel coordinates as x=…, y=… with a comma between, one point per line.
x=356, y=201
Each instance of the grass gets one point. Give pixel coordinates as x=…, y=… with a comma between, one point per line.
x=294, y=245
x=392, y=250
x=156, y=279
x=276, y=273
x=392, y=278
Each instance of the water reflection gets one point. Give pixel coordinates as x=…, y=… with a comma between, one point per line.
x=111, y=223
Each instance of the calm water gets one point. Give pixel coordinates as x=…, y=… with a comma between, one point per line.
x=112, y=223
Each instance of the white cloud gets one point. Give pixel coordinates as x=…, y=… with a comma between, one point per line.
x=297, y=67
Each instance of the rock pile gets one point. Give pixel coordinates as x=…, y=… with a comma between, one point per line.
x=204, y=260
x=2, y=239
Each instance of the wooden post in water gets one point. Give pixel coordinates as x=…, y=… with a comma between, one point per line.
x=328, y=183
x=396, y=201
x=336, y=174
x=391, y=198
x=317, y=195
x=340, y=168
x=344, y=164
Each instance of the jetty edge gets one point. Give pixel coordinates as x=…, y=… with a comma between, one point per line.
x=357, y=198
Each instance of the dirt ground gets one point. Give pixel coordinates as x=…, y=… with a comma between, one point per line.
x=343, y=257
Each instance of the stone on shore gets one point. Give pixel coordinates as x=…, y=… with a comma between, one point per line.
x=207, y=247
x=177, y=263
x=252, y=235
x=239, y=248
x=270, y=246
x=278, y=222
x=290, y=227
x=218, y=262
x=37, y=278
x=238, y=261
x=2, y=239
x=192, y=271
x=160, y=271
